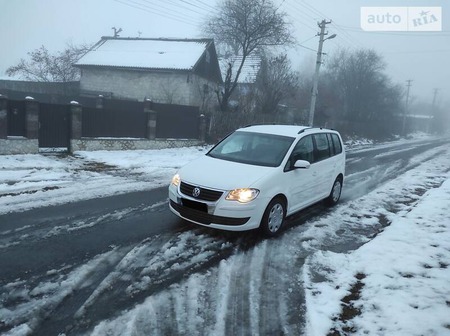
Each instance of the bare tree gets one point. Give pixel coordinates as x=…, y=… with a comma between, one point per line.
x=276, y=82
x=45, y=67
x=360, y=90
x=245, y=26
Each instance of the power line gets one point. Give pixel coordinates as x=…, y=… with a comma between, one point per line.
x=443, y=33
x=151, y=10
x=182, y=5
x=306, y=19
x=206, y=5
x=307, y=48
x=163, y=9
x=343, y=35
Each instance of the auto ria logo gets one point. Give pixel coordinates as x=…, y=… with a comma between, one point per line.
x=401, y=18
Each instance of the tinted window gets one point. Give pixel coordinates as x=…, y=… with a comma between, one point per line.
x=322, y=148
x=336, y=143
x=330, y=143
x=303, y=150
x=253, y=148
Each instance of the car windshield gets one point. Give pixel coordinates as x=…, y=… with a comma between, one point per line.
x=253, y=148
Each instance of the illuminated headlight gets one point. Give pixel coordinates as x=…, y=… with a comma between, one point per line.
x=176, y=180
x=242, y=195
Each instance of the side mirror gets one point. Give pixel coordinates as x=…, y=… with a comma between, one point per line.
x=302, y=164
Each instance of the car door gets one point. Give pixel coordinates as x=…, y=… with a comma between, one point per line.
x=324, y=164
x=301, y=182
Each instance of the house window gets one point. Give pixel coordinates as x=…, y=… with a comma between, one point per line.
x=207, y=57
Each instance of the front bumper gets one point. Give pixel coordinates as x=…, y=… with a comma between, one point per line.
x=222, y=214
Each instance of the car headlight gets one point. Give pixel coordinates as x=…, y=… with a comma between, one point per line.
x=176, y=180
x=244, y=195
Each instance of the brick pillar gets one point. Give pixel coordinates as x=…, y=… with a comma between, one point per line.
x=151, y=119
x=99, y=102
x=3, y=117
x=202, y=127
x=31, y=118
x=76, y=111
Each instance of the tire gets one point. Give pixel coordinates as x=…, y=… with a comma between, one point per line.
x=273, y=217
x=335, y=193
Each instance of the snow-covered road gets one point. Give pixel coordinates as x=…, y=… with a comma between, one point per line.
x=202, y=282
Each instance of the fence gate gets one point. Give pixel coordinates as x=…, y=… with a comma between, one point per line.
x=16, y=118
x=54, y=126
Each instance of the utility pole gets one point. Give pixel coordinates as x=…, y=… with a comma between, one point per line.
x=322, y=25
x=406, y=105
x=433, y=107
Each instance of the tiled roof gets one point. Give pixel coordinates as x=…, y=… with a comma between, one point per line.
x=180, y=54
x=249, y=71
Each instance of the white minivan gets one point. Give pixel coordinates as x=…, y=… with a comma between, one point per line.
x=259, y=175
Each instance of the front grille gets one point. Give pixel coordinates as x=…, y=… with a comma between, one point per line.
x=205, y=218
x=205, y=194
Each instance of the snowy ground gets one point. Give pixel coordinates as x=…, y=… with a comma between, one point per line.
x=396, y=283
x=31, y=181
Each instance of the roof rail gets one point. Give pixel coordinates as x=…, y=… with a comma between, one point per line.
x=261, y=124
x=304, y=129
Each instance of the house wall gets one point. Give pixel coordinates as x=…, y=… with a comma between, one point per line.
x=164, y=87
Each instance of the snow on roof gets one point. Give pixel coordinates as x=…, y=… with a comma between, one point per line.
x=181, y=54
x=249, y=70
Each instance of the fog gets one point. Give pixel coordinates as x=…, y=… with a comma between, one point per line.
x=423, y=57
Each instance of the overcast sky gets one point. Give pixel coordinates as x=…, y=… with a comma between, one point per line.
x=423, y=57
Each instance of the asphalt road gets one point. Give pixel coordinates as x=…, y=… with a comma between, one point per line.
x=51, y=238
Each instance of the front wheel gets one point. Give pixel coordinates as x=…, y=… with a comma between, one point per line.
x=335, y=193
x=273, y=218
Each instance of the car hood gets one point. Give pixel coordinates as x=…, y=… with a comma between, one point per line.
x=221, y=174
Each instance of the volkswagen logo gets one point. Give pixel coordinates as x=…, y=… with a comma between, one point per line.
x=196, y=192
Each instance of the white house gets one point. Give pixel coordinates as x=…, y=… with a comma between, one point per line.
x=172, y=71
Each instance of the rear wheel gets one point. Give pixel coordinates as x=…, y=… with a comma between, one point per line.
x=335, y=193
x=273, y=218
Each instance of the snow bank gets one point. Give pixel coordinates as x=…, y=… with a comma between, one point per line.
x=403, y=286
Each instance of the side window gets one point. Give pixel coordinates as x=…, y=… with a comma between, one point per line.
x=330, y=143
x=322, y=148
x=303, y=150
x=337, y=143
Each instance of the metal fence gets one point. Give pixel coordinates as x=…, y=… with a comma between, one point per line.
x=102, y=118
x=16, y=118
x=54, y=126
x=127, y=119
x=177, y=121
x=117, y=119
